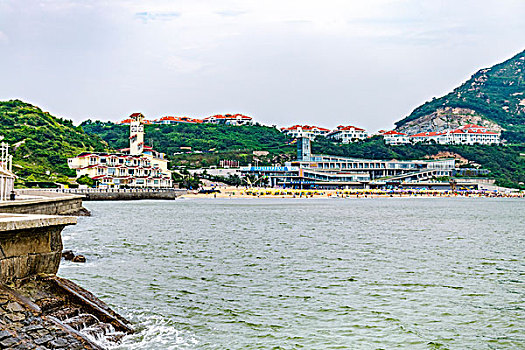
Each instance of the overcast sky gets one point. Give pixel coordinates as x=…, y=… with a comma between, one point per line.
x=366, y=63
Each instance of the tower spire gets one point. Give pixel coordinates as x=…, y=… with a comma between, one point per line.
x=136, y=134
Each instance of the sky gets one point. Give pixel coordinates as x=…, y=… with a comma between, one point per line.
x=330, y=62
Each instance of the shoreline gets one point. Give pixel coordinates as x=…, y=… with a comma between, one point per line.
x=232, y=192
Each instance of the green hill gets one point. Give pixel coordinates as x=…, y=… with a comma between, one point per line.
x=200, y=137
x=41, y=143
x=494, y=97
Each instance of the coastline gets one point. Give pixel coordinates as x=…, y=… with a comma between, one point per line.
x=233, y=192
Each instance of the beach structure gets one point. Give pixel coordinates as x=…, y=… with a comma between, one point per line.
x=312, y=171
x=136, y=166
x=7, y=178
x=347, y=134
x=309, y=131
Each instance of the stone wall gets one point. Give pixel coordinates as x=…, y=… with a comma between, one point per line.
x=52, y=204
x=121, y=195
x=30, y=245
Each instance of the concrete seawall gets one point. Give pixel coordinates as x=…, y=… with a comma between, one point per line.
x=39, y=309
x=91, y=194
x=130, y=195
x=45, y=203
x=30, y=245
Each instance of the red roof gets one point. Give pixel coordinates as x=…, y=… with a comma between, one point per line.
x=471, y=131
x=181, y=119
x=349, y=127
x=305, y=128
x=229, y=116
x=428, y=134
x=472, y=126
x=393, y=132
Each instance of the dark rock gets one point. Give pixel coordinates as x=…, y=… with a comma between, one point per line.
x=15, y=307
x=79, y=258
x=44, y=339
x=32, y=327
x=59, y=343
x=9, y=342
x=24, y=346
x=16, y=317
x=68, y=255
x=4, y=334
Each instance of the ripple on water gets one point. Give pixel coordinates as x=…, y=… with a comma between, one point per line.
x=323, y=274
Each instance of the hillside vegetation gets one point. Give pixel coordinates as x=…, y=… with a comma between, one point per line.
x=200, y=137
x=495, y=95
x=41, y=143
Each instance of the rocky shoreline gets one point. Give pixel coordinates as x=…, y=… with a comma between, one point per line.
x=53, y=313
x=39, y=310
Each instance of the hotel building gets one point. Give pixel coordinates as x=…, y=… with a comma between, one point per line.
x=347, y=134
x=328, y=172
x=309, y=131
x=229, y=119
x=136, y=166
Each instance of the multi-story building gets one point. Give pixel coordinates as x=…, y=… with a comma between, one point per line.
x=469, y=134
x=474, y=134
x=177, y=120
x=327, y=171
x=229, y=119
x=136, y=166
x=7, y=178
x=393, y=137
x=347, y=134
x=309, y=131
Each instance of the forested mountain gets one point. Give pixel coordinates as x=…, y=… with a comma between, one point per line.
x=41, y=143
x=200, y=137
x=493, y=97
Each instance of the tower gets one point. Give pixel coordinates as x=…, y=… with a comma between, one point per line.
x=304, y=149
x=136, y=134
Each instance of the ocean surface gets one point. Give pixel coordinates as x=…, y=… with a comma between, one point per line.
x=393, y=273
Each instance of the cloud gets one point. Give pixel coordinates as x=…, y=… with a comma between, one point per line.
x=157, y=16
x=4, y=39
x=230, y=13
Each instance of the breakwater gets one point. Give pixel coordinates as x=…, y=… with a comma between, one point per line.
x=110, y=194
x=45, y=203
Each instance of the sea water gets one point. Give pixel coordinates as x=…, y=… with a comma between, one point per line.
x=407, y=273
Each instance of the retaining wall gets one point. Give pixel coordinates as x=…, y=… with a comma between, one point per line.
x=52, y=204
x=30, y=245
x=131, y=195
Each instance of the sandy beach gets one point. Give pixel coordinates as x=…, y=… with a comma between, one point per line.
x=261, y=192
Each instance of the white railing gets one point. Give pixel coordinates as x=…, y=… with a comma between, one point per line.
x=7, y=179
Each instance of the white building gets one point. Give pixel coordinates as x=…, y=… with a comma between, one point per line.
x=7, y=178
x=229, y=119
x=469, y=134
x=393, y=137
x=474, y=134
x=136, y=166
x=308, y=131
x=347, y=134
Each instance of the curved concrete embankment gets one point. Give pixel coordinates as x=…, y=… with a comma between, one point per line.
x=45, y=203
x=37, y=308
